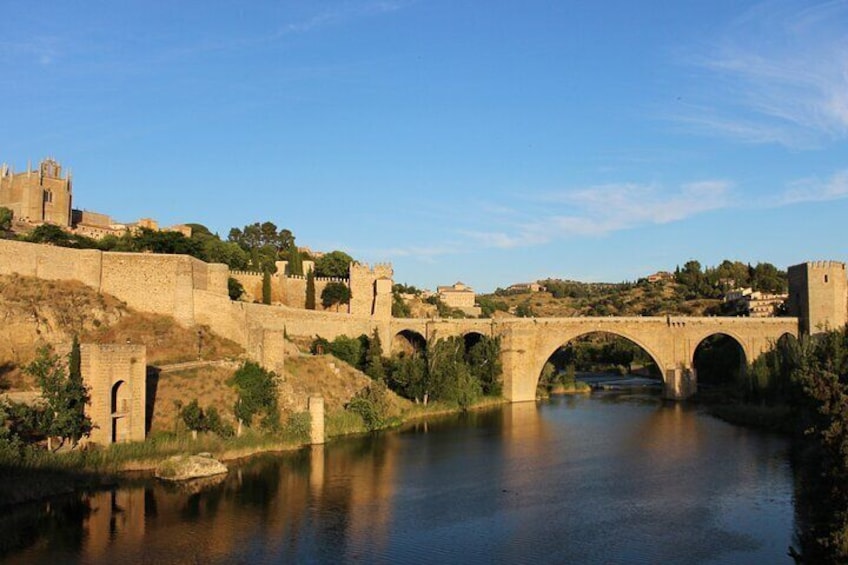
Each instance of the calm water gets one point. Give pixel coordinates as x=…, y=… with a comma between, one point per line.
x=604, y=479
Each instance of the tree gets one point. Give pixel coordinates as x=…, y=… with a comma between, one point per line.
x=193, y=417
x=48, y=233
x=372, y=404
x=334, y=294
x=234, y=288
x=484, y=361
x=408, y=376
x=64, y=394
x=335, y=264
x=374, y=358
x=524, y=310
x=349, y=349
x=257, y=394
x=295, y=262
x=266, y=287
x=310, y=291
x=6, y=216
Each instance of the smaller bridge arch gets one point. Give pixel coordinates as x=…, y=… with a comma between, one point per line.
x=745, y=346
x=408, y=341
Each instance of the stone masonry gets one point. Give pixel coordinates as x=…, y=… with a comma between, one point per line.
x=117, y=377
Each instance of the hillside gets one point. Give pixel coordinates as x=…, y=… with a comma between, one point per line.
x=571, y=298
x=36, y=312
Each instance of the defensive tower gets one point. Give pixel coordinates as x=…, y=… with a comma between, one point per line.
x=818, y=296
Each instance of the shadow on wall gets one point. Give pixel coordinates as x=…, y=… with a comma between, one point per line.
x=152, y=386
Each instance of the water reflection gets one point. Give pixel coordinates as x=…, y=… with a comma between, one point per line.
x=653, y=481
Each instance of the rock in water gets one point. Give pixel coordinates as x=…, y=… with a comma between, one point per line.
x=186, y=467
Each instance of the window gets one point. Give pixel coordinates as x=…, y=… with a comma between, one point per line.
x=825, y=278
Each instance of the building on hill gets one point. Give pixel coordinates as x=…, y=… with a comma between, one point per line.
x=459, y=296
x=37, y=196
x=44, y=196
x=753, y=303
x=660, y=276
x=526, y=287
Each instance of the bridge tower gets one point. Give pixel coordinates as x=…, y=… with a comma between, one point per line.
x=818, y=296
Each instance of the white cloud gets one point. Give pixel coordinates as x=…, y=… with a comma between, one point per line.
x=816, y=190
x=779, y=74
x=600, y=210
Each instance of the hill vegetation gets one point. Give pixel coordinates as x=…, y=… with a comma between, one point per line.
x=690, y=291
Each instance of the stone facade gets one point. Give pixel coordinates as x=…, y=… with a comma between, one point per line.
x=117, y=377
x=37, y=196
x=457, y=295
x=818, y=295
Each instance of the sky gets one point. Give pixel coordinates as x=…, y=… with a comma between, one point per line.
x=486, y=142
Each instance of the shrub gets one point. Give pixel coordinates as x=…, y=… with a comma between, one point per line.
x=372, y=404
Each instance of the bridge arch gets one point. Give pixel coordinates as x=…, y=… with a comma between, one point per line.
x=712, y=358
x=699, y=339
x=472, y=338
x=408, y=341
x=559, y=340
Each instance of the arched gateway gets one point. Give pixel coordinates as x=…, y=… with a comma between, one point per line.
x=527, y=343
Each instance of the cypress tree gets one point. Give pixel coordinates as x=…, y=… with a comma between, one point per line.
x=310, y=291
x=266, y=287
x=295, y=262
x=374, y=358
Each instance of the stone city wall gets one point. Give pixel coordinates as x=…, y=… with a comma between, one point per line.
x=162, y=284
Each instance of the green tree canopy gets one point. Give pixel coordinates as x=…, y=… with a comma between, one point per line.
x=257, y=395
x=334, y=294
x=64, y=393
x=334, y=264
x=6, y=216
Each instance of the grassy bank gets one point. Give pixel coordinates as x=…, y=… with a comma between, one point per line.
x=33, y=474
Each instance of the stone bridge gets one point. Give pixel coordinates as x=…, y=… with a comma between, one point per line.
x=527, y=343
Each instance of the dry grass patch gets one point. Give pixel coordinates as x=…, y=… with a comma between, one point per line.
x=208, y=385
x=166, y=340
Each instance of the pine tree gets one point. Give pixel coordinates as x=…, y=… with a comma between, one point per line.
x=310, y=291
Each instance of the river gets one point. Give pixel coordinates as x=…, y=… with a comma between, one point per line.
x=607, y=478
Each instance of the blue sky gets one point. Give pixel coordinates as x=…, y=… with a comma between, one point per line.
x=489, y=142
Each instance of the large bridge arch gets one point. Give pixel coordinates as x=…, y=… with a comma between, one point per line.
x=548, y=350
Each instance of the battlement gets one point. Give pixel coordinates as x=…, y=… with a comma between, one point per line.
x=817, y=265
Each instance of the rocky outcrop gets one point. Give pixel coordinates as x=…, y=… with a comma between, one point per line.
x=187, y=467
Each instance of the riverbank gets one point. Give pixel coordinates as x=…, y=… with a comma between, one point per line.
x=38, y=474
x=776, y=419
